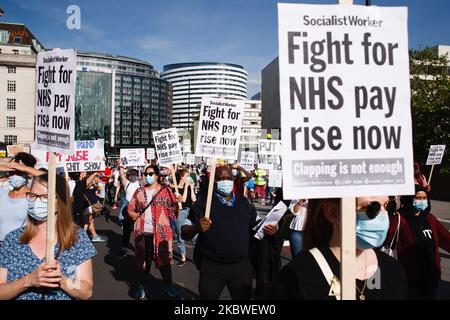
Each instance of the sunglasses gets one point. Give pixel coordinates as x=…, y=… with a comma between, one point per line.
x=148, y=174
x=373, y=208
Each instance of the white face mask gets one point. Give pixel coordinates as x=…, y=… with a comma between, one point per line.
x=38, y=210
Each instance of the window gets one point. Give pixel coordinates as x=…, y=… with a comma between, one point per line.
x=11, y=69
x=10, y=139
x=15, y=51
x=11, y=86
x=3, y=36
x=10, y=104
x=11, y=122
x=17, y=40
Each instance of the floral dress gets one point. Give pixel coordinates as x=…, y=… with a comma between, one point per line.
x=19, y=260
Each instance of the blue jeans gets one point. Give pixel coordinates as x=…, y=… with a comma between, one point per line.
x=123, y=204
x=182, y=216
x=296, y=242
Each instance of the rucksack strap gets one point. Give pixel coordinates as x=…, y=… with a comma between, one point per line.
x=333, y=281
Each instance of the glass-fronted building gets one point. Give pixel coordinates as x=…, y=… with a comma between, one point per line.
x=140, y=101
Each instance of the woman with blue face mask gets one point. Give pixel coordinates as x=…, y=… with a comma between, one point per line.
x=417, y=238
x=13, y=203
x=314, y=274
x=24, y=274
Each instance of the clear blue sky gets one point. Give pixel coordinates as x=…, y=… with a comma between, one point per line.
x=170, y=31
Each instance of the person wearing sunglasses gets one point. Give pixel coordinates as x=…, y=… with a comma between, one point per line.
x=315, y=273
x=417, y=238
x=24, y=274
x=151, y=208
x=13, y=202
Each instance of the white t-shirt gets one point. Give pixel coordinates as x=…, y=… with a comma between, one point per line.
x=298, y=221
x=101, y=190
x=116, y=176
x=72, y=185
x=148, y=218
x=131, y=189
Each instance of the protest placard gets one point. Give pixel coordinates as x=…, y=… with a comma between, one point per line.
x=219, y=131
x=55, y=100
x=275, y=178
x=150, y=153
x=271, y=219
x=133, y=157
x=167, y=145
x=434, y=157
x=14, y=149
x=269, y=154
x=247, y=160
x=345, y=101
x=189, y=158
x=88, y=155
x=435, y=154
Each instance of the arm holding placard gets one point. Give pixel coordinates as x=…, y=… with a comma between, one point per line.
x=16, y=166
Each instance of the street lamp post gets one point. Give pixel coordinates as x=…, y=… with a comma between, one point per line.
x=189, y=104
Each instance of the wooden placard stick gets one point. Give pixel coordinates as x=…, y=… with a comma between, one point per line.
x=51, y=219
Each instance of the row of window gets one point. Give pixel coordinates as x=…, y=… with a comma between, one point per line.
x=11, y=85
x=10, y=139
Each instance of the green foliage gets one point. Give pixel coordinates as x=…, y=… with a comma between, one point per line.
x=430, y=104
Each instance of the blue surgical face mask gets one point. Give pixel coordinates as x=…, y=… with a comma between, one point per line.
x=150, y=179
x=16, y=181
x=134, y=178
x=420, y=205
x=371, y=233
x=224, y=187
x=38, y=210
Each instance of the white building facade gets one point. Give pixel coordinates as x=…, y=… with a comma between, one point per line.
x=18, y=50
x=192, y=81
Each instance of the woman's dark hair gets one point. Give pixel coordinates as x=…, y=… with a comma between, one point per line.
x=318, y=230
x=133, y=172
x=26, y=158
x=180, y=173
x=75, y=176
x=155, y=170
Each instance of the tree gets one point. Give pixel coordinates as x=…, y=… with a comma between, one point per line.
x=430, y=103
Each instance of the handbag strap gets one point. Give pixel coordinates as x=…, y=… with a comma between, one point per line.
x=396, y=234
x=153, y=198
x=333, y=281
x=87, y=199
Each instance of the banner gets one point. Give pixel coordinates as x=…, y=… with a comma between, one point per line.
x=167, y=146
x=435, y=154
x=150, y=153
x=88, y=156
x=133, y=157
x=14, y=149
x=56, y=75
x=345, y=101
x=269, y=154
x=247, y=160
x=219, y=131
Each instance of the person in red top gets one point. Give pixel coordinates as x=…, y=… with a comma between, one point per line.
x=420, y=236
x=419, y=178
x=239, y=180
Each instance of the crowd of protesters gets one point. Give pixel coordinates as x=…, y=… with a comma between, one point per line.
x=397, y=249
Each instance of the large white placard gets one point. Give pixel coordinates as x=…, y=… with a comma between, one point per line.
x=275, y=178
x=190, y=158
x=133, y=157
x=345, y=101
x=167, y=145
x=88, y=155
x=435, y=154
x=219, y=131
x=56, y=75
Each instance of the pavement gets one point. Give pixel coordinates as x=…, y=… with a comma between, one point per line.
x=113, y=277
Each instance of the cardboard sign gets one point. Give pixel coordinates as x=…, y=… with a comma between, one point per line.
x=435, y=154
x=190, y=159
x=150, y=153
x=88, y=156
x=248, y=160
x=219, y=131
x=167, y=145
x=269, y=154
x=56, y=75
x=275, y=178
x=345, y=101
x=14, y=149
x=133, y=157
